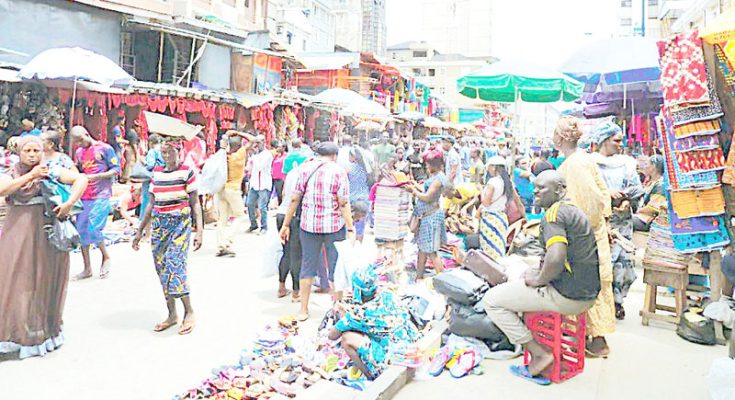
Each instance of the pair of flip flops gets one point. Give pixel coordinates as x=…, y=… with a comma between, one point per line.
x=467, y=361
x=521, y=371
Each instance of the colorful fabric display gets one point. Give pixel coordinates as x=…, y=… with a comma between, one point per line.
x=704, y=112
x=698, y=202
x=703, y=142
x=725, y=67
x=683, y=74
x=695, y=225
x=660, y=250
x=690, y=244
x=673, y=177
x=699, y=128
x=700, y=160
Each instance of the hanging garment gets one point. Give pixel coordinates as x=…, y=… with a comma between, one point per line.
x=683, y=74
x=705, y=142
x=691, y=244
x=698, y=202
x=703, y=112
x=673, y=178
x=725, y=67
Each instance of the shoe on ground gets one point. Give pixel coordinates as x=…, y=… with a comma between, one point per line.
x=262, y=232
x=252, y=229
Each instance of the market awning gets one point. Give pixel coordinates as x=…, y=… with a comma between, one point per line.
x=248, y=100
x=329, y=61
x=81, y=85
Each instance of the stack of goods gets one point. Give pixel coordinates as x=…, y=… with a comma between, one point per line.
x=392, y=211
x=460, y=223
x=688, y=125
x=464, y=288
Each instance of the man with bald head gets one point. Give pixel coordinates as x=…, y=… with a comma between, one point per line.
x=99, y=162
x=567, y=280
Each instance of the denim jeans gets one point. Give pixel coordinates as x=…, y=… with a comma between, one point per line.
x=259, y=199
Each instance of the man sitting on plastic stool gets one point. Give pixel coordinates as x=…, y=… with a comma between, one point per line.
x=566, y=282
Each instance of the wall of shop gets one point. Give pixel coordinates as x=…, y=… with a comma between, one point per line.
x=31, y=26
x=214, y=67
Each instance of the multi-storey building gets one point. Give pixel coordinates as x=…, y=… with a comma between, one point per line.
x=680, y=15
x=638, y=18
x=456, y=26
x=348, y=14
x=185, y=42
x=374, y=27
x=303, y=25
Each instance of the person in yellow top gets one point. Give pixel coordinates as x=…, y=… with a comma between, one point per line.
x=460, y=199
x=587, y=190
x=229, y=199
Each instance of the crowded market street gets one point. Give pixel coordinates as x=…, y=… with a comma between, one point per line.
x=367, y=199
x=111, y=337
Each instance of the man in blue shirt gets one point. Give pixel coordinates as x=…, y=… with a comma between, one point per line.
x=522, y=179
x=29, y=128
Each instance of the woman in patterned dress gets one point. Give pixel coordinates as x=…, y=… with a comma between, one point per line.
x=493, y=219
x=431, y=233
x=173, y=211
x=357, y=176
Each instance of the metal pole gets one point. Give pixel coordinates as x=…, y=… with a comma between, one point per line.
x=160, y=57
x=71, y=113
x=191, y=62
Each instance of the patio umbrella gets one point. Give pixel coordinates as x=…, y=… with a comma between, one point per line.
x=339, y=96
x=74, y=64
x=411, y=116
x=508, y=81
x=366, y=107
x=617, y=61
x=369, y=126
x=432, y=122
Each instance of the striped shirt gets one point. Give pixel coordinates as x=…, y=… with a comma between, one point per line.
x=320, y=210
x=171, y=189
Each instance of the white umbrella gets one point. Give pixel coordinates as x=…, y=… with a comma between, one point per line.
x=366, y=107
x=74, y=64
x=342, y=97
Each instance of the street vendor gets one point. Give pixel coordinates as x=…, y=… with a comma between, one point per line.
x=567, y=281
x=371, y=323
x=461, y=199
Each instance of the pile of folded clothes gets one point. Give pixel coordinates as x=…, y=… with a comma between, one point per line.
x=392, y=209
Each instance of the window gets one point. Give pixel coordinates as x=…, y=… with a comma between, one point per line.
x=626, y=22
x=652, y=3
x=432, y=72
x=416, y=71
x=626, y=3
x=421, y=53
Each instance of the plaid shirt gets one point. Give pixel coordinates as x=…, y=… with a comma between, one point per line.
x=320, y=210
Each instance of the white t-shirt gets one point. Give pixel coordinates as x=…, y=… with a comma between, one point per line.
x=289, y=184
x=261, y=174
x=499, y=199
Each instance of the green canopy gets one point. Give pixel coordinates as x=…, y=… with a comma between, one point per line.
x=506, y=81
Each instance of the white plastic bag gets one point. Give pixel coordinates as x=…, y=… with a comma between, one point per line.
x=214, y=173
x=721, y=379
x=350, y=258
x=271, y=256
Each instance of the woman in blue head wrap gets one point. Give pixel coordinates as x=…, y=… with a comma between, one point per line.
x=622, y=180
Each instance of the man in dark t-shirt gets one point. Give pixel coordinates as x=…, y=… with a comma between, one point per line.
x=566, y=282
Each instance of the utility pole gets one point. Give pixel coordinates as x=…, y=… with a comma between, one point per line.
x=643, y=18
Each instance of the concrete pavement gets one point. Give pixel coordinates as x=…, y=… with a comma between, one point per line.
x=112, y=353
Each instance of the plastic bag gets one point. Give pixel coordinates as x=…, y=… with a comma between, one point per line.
x=63, y=235
x=55, y=194
x=696, y=329
x=721, y=311
x=271, y=256
x=140, y=173
x=214, y=173
x=461, y=286
x=721, y=379
x=466, y=321
x=350, y=258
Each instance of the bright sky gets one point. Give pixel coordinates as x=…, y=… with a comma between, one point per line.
x=544, y=31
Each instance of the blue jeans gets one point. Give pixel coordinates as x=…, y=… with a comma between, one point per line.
x=259, y=199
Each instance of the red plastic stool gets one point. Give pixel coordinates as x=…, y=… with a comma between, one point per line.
x=564, y=336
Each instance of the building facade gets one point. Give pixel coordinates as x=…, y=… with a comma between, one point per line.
x=680, y=15
x=303, y=25
x=456, y=26
x=638, y=18
x=436, y=70
x=348, y=14
x=374, y=27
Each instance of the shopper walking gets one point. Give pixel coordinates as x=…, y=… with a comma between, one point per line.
x=277, y=170
x=99, y=162
x=453, y=163
x=291, y=261
x=175, y=208
x=523, y=181
x=493, y=218
x=431, y=234
x=52, y=155
x=587, y=190
x=619, y=172
x=229, y=199
x=261, y=184
x=359, y=187
x=34, y=273
x=322, y=196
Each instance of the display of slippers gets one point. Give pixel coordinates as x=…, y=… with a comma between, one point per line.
x=440, y=360
x=521, y=371
x=466, y=362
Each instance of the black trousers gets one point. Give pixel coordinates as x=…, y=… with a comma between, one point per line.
x=278, y=188
x=291, y=260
